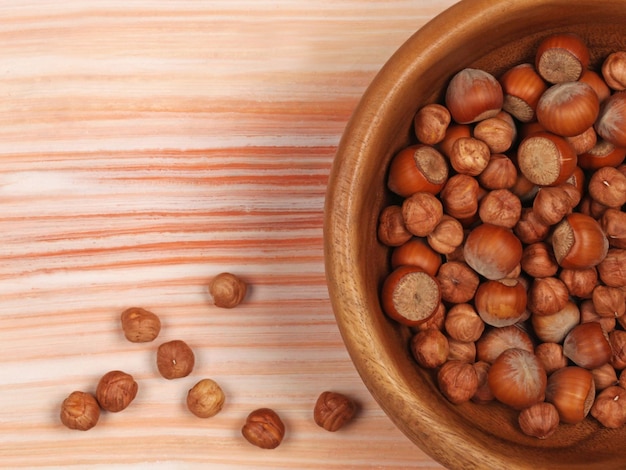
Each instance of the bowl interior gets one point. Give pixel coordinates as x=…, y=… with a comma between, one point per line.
x=483, y=34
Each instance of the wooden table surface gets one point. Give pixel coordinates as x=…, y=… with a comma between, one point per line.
x=146, y=146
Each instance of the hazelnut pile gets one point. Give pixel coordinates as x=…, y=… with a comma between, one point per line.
x=175, y=359
x=507, y=233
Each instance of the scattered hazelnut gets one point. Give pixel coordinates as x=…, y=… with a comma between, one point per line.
x=529, y=229
x=610, y=121
x=227, y=290
x=391, y=228
x=500, y=207
x=333, y=410
x=579, y=282
x=205, y=399
x=422, y=212
x=614, y=70
x=538, y=260
x=568, y=109
x=572, y=391
x=612, y=269
x=546, y=159
x=463, y=351
x=469, y=156
x=483, y=393
x=175, y=359
x=492, y=251
x=263, y=428
x=416, y=252
x=80, y=410
x=607, y=186
x=579, y=242
x=460, y=196
x=140, y=325
x=613, y=223
x=551, y=204
x=547, y=295
x=500, y=173
x=417, y=168
x=473, y=95
x=497, y=133
x=561, y=57
x=457, y=282
x=447, y=236
x=604, y=376
x=587, y=345
x=463, y=323
x=554, y=328
x=522, y=87
x=609, y=301
x=116, y=390
x=497, y=340
x=502, y=302
x=551, y=356
x=431, y=122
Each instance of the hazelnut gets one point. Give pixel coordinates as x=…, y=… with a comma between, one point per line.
x=416, y=252
x=612, y=269
x=524, y=188
x=568, y=109
x=80, y=410
x=546, y=159
x=391, y=228
x=140, y=325
x=205, y=399
x=604, y=376
x=551, y=204
x=522, y=87
x=175, y=359
x=492, y=251
x=547, y=296
x=584, y=141
x=617, y=340
x=539, y=420
x=431, y=122
x=227, y=290
x=502, y=302
x=417, y=168
x=609, y=125
x=579, y=282
x=614, y=70
x=538, y=260
x=497, y=340
x=607, y=186
x=602, y=154
x=579, y=242
x=409, y=295
x=572, y=391
x=551, y=356
x=500, y=207
x=116, y=390
x=587, y=345
x=453, y=133
x=463, y=323
x=457, y=282
x=588, y=314
x=460, y=196
x=500, y=173
x=529, y=229
x=447, y=236
x=609, y=301
x=596, y=81
x=517, y=378
x=430, y=348
x=263, y=428
x=457, y=381
x=473, y=95
x=483, y=392
x=464, y=351
x=613, y=223
x=421, y=212
x=436, y=320
x=609, y=407
x=561, y=57
x=333, y=410
x=554, y=327
x=497, y=133
x=469, y=156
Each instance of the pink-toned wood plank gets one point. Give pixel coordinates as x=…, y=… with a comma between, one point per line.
x=144, y=147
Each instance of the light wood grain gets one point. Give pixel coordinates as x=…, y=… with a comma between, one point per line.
x=144, y=147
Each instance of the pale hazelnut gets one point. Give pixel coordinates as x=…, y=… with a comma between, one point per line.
x=613, y=222
x=554, y=328
x=589, y=206
x=587, y=345
x=263, y=428
x=522, y=87
x=547, y=295
x=617, y=341
x=333, y=410
x=604, y=376
x=529, y=229
x=483, y=393
x=538, y=260
x=421, y=213
x=116, y=390
x=524, y=188
x=584, y=141
x=436, y=320
x=463, y=323
x=572, y=390
x=464, y=351
x=607, y=186
x=551, y=356
x=568, y=109
x=447, y=236
x=391, y=228
x=175, y=359
x=579, y=282
x=473, y=95
x=80, y=410
x=551, y=204
x=430, y=348
x=469, y=156
x=609, y=407
x=227, y=290
x=588, y=314
x=540, y=420
x=457, y=381
x=612, y=269
x=497, y=340
x=460, y=196
x=500, y=207
x=497, y=133
x=500, y=173
x=609, y=301
x=614, y=70
x=205, y=399
x=140, y=325
x=457, y=282
x=431, y=122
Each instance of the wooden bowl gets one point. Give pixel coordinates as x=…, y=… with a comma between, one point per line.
x=491, y=35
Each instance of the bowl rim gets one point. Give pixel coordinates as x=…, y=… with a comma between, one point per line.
x=371, y=355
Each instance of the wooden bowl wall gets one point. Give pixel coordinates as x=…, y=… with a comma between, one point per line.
x=492, y=35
